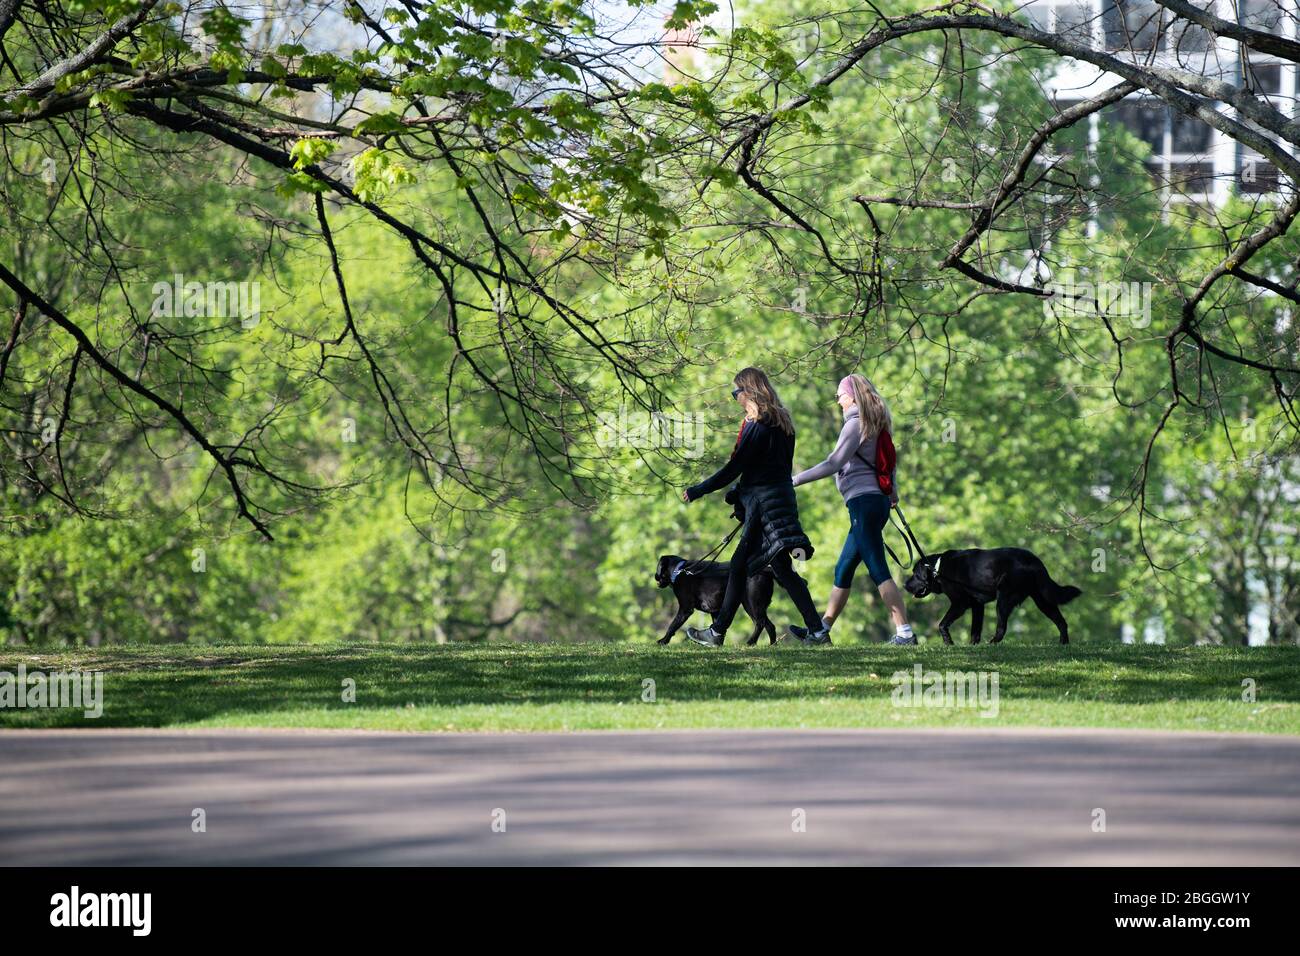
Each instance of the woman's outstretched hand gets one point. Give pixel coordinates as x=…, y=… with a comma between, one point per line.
x=685, y=497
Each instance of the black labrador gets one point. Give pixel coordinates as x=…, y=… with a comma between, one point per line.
x=973, y=577
x=700, y=586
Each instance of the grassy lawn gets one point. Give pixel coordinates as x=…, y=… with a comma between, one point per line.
x=600, y=686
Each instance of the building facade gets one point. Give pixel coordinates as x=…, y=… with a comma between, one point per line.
x=1190, y=160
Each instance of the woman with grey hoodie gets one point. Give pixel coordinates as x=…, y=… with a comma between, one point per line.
x=853, y=463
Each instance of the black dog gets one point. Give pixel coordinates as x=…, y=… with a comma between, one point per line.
x=974, y=577
x=701, y=586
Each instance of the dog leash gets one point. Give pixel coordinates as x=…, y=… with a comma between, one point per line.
x=908, y=537
x=910, y=534
x=688, y=567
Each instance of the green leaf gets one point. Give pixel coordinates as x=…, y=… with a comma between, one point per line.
x=112, y=100
x=381, y=123
x=309, y=152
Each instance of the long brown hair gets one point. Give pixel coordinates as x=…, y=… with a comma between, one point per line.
x=873, y=411
x=758, y=388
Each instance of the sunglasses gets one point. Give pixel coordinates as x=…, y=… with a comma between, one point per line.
x=735, y=392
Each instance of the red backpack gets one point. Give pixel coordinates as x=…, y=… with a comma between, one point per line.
x=885, y=463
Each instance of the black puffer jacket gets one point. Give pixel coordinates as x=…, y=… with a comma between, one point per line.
x=762, y=461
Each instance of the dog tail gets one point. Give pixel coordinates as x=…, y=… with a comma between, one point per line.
x=1059, y=594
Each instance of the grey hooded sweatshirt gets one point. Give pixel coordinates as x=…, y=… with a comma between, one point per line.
x=852, y=462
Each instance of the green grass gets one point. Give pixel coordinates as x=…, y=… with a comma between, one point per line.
x=599, y=686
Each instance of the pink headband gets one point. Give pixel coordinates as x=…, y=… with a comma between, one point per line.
x=846, y=385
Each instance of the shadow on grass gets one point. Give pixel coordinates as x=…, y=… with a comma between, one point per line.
x=158, y=687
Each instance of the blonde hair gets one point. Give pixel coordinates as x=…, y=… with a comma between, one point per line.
x=756, y=385
x=873, y=410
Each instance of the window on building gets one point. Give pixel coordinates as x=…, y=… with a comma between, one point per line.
x=1071, y=18
x=1184, y=36
x=1190, y=135
x=1144, y=118
x=1143, y=25
x=1131, y=24
x=1192, y=178
x=1186, y=168
x=1075, y=19
x=1264, y=78
x=1260, y=14
x=1256, y=175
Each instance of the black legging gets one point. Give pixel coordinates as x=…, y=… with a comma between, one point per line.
x=750, y=540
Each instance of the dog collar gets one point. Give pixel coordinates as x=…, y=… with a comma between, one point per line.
x=672, y=575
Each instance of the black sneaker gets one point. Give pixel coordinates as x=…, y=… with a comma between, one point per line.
x=819, y=637
x=706, y=636
x=815, y=638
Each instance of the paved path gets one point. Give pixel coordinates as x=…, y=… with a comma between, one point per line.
x=869, y=796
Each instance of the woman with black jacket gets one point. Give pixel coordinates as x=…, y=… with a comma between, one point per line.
x=764, y=496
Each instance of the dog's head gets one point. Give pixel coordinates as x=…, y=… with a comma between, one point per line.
x=924, y=580
x=664, y=570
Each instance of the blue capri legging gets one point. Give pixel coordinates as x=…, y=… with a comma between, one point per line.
x=868, y=515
